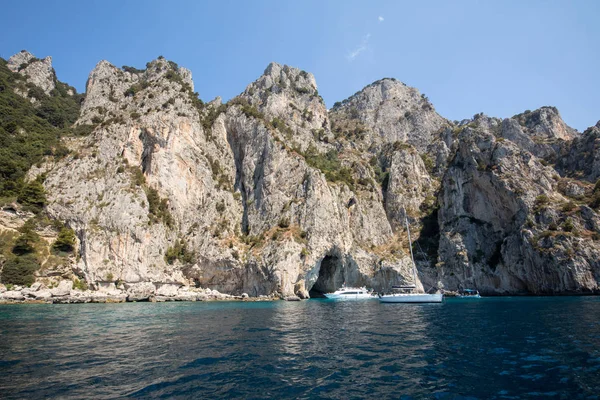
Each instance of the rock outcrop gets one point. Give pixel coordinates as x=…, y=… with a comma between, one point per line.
x=39, y=293
x=387, y=111
x=541, y=132
x=580, y=158
x=37, y=72
x=503, y=226
x=272, y=194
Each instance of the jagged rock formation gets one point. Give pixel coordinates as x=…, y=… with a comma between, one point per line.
x=273, y=194
x=504, y=227
x=387, y=111
x=580, y=158
x=38, y=72
x=541, y=132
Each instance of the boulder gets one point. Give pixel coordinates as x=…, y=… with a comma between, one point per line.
x=13, y=295
x=141, y=291
x=167, y=289
x=43, y=294
x=63, y=289
x=28, y=292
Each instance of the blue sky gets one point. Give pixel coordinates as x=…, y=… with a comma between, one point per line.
x=496, y=57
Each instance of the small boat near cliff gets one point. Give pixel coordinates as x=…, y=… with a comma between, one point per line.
x=468, y=294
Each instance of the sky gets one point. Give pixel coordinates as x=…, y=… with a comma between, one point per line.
x=467, y=56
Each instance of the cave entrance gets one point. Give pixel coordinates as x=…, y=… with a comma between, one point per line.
x=331, y=277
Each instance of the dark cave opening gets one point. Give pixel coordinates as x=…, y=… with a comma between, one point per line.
x=331, y=277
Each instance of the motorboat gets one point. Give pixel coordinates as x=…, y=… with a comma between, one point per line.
x=350, y=293
x=469, y=294
x=411, y=298
x=405, y=294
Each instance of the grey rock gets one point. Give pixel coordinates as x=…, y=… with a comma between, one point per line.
x=167, y=289
x=38, y=72
x=141, y=291
x=43, y=294
x=12, y=295
x=390, y=111
x=28, y=292
x=495, y=233
x=274, y=195
x=63, y=289
x=581, y=156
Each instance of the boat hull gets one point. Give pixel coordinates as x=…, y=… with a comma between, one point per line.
x=336, y=296
x=412, y=298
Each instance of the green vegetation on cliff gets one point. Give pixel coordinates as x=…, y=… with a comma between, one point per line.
x=330, y=165
x=21, y=254
x=28, y=131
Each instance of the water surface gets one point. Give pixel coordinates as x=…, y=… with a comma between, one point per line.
x=497, y=348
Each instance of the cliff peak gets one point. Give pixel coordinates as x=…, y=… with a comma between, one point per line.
x=37, y=71
x=393, y=111
x=277, y=77
x=545, y=122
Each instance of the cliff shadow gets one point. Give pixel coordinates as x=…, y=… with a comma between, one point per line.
x=331, y=276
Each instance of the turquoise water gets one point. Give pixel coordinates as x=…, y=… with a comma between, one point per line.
x=497, y=348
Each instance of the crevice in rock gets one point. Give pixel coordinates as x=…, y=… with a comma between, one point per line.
x=149, y=142
x=428, y=239
x=496, y=257
x=237, y=149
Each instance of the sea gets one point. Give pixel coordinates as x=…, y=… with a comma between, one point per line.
x=491, y=348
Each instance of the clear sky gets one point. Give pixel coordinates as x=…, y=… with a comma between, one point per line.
x=468, y=56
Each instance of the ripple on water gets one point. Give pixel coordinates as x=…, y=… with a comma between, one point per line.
x=507, y=348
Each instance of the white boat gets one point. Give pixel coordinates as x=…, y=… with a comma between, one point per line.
x=411, y=298
x=350, y=293
x=408, y=297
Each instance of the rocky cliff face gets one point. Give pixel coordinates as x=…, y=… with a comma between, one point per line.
x=580, y=158
x=271, y=193
x=505, y=228
x=388, y=111
x=37, y=72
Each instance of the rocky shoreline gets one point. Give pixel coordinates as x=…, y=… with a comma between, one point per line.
x=64, y=293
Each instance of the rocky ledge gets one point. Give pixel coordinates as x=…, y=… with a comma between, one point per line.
x=64, y=293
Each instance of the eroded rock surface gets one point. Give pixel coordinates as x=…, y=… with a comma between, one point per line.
x=272, y=194
x=38, y=72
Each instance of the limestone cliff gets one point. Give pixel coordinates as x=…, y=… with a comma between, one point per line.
x=38, y=72
x=274, y=194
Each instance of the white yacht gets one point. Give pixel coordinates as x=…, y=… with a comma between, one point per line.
x=408, y=296
x=350, y=293
x=411, y=298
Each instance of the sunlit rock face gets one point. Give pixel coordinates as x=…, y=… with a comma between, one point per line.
x=37, y=72
x=274, y=194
